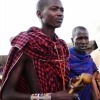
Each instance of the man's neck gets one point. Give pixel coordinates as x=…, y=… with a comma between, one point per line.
x=49, y=32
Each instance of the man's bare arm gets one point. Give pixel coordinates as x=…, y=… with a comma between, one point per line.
x=8, y=92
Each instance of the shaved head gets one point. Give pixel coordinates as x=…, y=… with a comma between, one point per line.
x=77, y=30
x=41, y=4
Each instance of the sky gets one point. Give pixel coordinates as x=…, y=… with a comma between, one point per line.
x=19, y=15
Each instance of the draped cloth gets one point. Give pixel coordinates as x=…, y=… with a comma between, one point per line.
x=96, y=84
x=41, y=49
x=81, y=63
x=96, y=57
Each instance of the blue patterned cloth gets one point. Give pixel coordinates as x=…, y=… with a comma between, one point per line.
x=81, y=63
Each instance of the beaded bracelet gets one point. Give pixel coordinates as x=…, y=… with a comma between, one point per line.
x=41, y=96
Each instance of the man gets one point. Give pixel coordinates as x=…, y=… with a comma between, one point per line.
x=37, y=65
x=96, y=58
x=96, y=53
x=80, y=61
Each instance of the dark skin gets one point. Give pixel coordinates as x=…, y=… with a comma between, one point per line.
x=51, y=17
x=80, y=40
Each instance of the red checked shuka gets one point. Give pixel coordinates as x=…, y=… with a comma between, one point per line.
x=49, y=57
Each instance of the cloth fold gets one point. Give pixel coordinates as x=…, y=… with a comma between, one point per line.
x=81, y=63
x=41, y=49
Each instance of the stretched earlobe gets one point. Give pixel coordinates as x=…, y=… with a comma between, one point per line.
x=39, y=14
x=72, y=41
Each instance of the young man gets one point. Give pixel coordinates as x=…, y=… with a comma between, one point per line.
x=80, y=61
x=37, y=63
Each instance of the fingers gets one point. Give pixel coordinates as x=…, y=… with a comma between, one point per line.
x=71, y=86
x=76, y=97
x=74, y=79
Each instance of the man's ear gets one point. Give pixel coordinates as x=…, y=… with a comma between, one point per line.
x=39, y=14
x=72, y=41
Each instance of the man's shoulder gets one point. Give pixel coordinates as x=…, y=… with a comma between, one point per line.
x=63, y=42
x=20, y=40
x=95, y=52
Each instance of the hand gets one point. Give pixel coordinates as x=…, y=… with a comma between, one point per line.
x=74, y=80
x=74, y=87
x=63, y=95
x=98, y=77
x=79, y=88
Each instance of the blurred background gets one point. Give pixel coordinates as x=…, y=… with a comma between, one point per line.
x=19, y=15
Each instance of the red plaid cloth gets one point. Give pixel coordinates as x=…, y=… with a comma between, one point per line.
x=41, y=49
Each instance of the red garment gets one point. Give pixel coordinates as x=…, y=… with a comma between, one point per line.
x=41, y=49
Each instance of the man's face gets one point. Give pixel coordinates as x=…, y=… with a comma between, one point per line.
x=52, y=15
x=81, y=40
